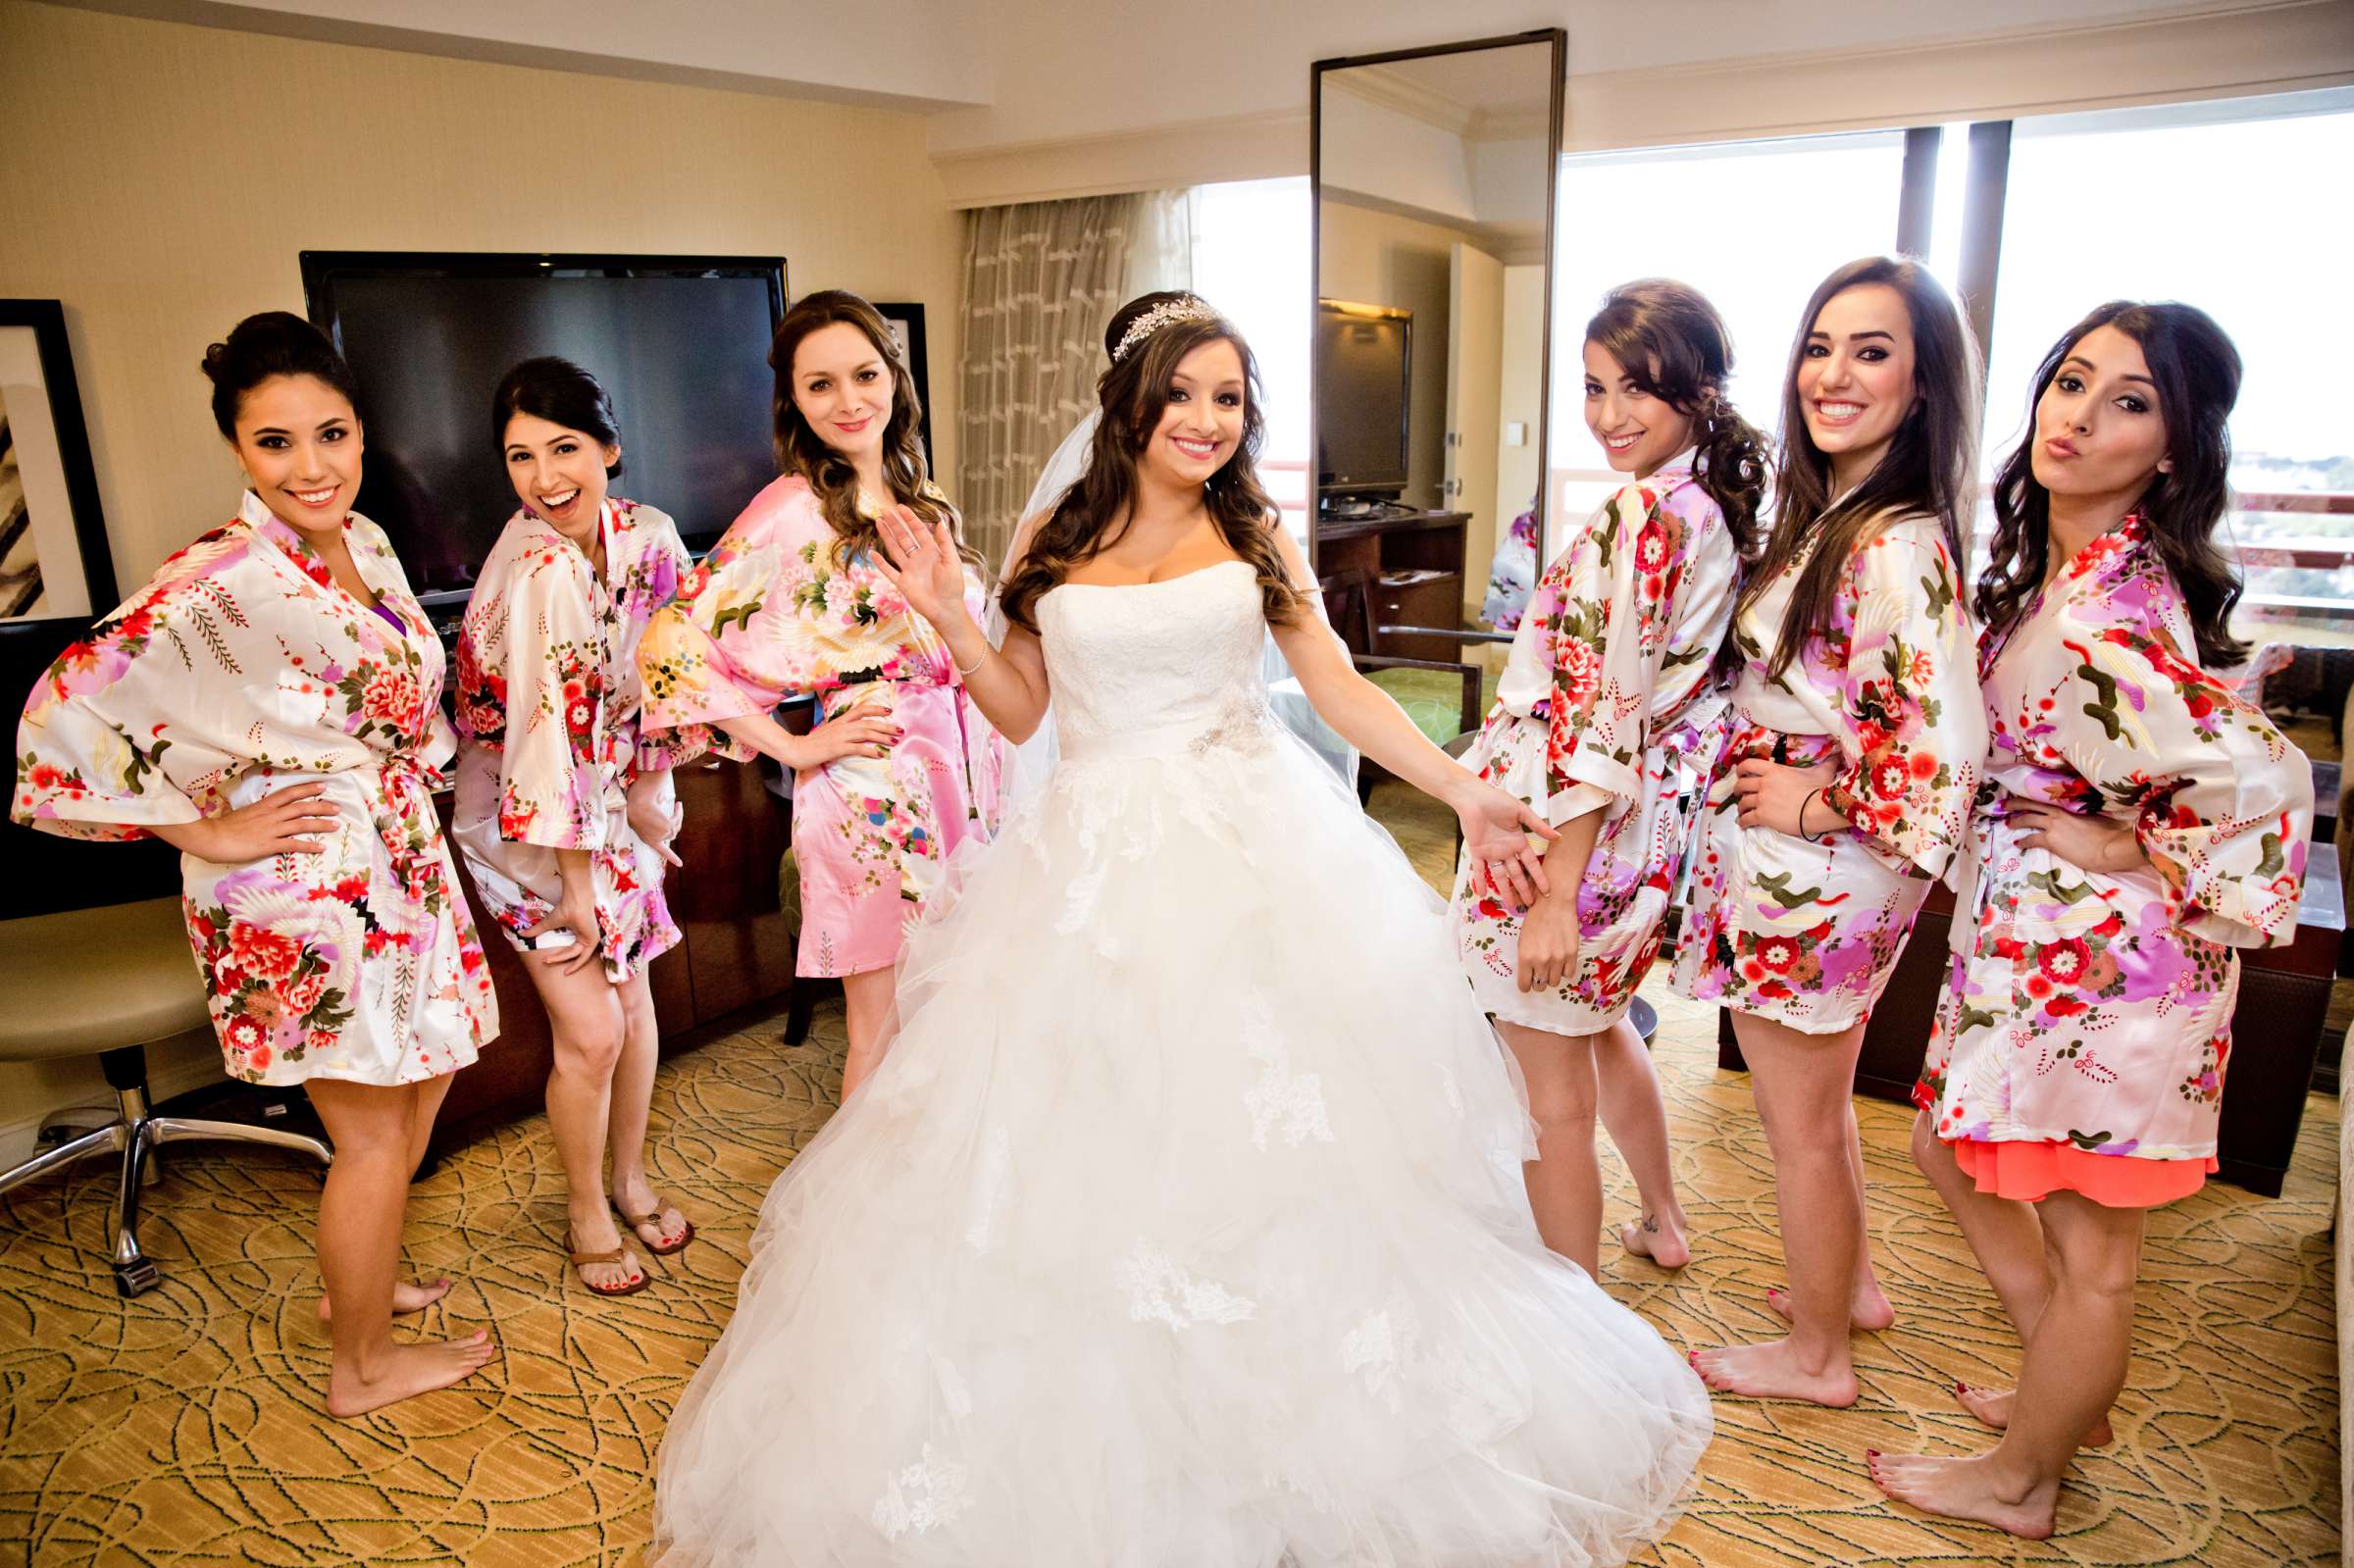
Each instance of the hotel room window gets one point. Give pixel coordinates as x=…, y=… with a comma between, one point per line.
x=2222, y=205
x=1251, y=260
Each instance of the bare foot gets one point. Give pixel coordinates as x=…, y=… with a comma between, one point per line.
x=1773, y=1371
x=1964, y=1489
x=406, y=1298
x=1869, y=1312
x=1659, y=1237
x=1993, y=1406
x=405, y=1370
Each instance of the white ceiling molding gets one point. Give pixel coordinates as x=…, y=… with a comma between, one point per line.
x=1265, y=146
x=1385, y=88
x=2216, y=51
x=2223, y=52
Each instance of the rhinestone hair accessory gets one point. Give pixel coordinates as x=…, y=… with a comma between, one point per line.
x=1168, y=313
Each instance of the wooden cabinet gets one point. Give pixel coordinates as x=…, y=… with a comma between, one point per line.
x=1416, y=563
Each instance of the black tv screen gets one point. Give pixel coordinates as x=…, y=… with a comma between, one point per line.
x=1363, y=360
x=681, y=343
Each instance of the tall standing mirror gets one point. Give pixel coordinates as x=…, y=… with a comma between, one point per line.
x=1435, y=174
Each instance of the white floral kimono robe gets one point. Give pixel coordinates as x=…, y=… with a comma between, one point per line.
x=2090, y=1009
x=548, y=702
x=1607, y=701
x=243, y=669
x=1808, y=934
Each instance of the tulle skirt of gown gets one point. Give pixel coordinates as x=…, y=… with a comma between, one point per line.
x=1182, y=1227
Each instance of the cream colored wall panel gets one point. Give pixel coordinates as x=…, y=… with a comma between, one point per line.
x=162, y=180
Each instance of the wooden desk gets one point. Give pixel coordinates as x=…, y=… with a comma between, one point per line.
x=1417, y=564
x=2276, y=1028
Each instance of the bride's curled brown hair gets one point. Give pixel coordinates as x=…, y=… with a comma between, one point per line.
x=1133, y=394
x=1672, y=342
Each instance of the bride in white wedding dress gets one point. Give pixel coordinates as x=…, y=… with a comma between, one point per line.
x=1182, y=1225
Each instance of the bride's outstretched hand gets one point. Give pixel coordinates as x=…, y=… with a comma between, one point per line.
x=923, y=563
x=1497, y=832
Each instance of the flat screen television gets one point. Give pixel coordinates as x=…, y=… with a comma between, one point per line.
x=1364, y=364
x=680, y=342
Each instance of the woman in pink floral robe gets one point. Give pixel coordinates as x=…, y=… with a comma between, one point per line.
x=564, y=811
x=901, y=770
x=1846, y=791
x=1609, y=721
x=2140, y=824
x=270, y=705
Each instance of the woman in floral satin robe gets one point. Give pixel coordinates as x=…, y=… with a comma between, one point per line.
x=1856, y=749
x=270, y=705
x=2140, y=824
x=902, y=769
x=1609, y=722
x=564, y=813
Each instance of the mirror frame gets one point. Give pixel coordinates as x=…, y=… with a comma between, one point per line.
x=1557, y=38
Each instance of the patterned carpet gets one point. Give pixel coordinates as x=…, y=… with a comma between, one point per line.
x=182, y=1428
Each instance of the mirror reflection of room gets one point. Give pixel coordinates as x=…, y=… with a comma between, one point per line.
x=1432, y=236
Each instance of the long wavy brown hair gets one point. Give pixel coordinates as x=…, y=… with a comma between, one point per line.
x=2196, y=368
x=1094, y=513
x=801, y=450
x=1928, y=469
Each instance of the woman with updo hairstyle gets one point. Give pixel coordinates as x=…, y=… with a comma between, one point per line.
x=269, y=705
x=565, y=810
x=900, y=769
x=2142, y=823
x=1608, y=719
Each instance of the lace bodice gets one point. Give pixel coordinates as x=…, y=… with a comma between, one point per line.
x=1133, y=665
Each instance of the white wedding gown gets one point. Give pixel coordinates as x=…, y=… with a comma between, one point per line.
x=1182, y=1226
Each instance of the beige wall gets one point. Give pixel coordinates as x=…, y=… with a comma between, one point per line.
x=162, y=180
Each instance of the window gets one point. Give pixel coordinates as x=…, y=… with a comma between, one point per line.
x=2216, y=205
x=1251, y=260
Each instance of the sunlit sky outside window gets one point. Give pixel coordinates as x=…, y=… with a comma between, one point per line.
x=2246, y=219
x=1251, y=246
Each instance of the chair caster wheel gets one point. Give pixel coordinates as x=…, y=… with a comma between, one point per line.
x=132, y=1278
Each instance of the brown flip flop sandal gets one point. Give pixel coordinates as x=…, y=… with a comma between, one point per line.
x=610, y=1256
x=652, y=1217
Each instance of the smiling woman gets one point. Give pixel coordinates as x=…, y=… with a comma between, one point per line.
x=269, y=705
x=902, y=769
x=564, y=809
x=1846, y=788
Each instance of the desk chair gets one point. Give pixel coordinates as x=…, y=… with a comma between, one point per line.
x=108, y=983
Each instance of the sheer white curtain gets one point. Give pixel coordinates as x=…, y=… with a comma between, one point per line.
x=1040, y=279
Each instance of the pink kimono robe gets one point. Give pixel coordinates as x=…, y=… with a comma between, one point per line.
x=770, y=613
